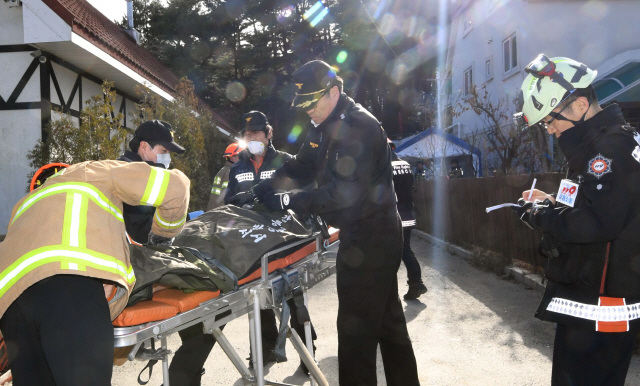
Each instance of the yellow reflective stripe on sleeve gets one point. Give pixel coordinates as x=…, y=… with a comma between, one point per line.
x=156, y=187
x=216, y=191
x=81, y=257
x=83, y=188
x=217, y=180
x=225, y=184
x=169, y=225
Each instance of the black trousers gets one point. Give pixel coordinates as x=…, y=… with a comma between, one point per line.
x=588, y=357
x=369, y=311
x=188, y=361
x=409, y=259
x=59, y=333
x=270, y=327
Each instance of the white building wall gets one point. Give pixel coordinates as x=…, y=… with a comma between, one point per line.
x=11, y=24
x=587, y=31
x=42, y=24
x=20, y=130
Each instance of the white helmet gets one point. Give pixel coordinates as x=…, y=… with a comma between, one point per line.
x=548, y=81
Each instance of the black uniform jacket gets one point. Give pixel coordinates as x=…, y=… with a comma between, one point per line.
x=138, y=219
x=599, y=238
x=348, y=157
x=243, y=176
x=403, y=185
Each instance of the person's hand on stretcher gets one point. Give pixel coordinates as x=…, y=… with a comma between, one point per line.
x=273, y=201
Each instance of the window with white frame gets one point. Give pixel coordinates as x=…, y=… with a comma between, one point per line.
x=467, y=25
x=510, y=54
x=468, y=80
x=488, y=69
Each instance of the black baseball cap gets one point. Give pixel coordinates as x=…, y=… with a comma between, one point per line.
x=160, y=132
x=313, y=80
x=254, y=121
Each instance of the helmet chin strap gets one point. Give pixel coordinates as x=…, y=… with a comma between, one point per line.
x=560, y=117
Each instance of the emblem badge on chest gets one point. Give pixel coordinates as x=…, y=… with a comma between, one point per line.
x=599, y=166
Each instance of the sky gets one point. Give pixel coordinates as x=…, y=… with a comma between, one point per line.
x=113, y=9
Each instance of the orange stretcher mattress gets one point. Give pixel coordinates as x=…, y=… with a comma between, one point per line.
x=169, y=302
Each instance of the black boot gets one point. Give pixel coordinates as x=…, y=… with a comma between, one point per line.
x=415, y=290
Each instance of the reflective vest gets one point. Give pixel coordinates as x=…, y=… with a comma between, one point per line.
x=73, y=224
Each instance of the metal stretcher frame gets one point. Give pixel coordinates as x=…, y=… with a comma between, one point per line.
x=248, y=299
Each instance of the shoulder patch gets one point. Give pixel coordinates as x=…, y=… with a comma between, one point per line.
x=599, y=166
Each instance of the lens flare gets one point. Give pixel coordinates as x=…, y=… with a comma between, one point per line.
x=342, y=56
x=295, y=133
x=318, y=18
x=235, y=91
x=312, y=10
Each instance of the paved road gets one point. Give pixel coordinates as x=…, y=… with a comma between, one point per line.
x=471, y=328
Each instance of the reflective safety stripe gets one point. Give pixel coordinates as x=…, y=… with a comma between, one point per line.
x=66, y=255
x=84, y=189
x=169, y=225
x=601, y=313
x=156, y=187
x=216, y=191
x=225, y=184
x=267, y=174
x=217, y=180
x=75, y=221
x=409, y=223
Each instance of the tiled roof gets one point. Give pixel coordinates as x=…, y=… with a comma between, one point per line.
x=92, y=25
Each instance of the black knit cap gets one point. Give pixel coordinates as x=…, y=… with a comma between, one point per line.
x=254, y=121
x=159, y=132
x=313, y=80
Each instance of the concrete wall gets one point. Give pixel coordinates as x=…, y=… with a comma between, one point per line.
x=587, y=31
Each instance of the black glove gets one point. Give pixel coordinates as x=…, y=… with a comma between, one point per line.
x=160, y=241
x=524, y=212
x=243, y=198
x=277, y=202
x=548, y=246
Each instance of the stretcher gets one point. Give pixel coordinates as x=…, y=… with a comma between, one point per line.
x=170, y=311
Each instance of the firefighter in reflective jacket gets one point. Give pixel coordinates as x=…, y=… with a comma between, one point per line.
x=65, y=270
x=221, y=180
x=590, y=228
x=403, y=185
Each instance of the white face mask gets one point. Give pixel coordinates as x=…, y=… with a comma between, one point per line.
x=164, y=159
x=256, y=147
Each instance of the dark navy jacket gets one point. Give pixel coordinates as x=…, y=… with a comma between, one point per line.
x=348, y=157
x=243, y=176
x=599, y=238
x=403, y=185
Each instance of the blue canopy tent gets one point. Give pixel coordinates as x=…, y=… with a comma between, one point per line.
x=437, y=144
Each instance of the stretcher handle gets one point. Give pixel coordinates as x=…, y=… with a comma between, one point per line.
x=322, y=226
